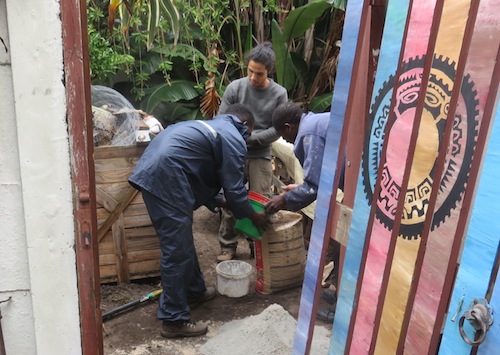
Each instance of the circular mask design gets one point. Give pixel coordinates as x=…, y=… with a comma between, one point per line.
x=397, y=125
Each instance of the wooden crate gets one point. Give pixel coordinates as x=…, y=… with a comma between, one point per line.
x=128, y=246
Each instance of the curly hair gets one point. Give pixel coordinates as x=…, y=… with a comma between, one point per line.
x=262, y=53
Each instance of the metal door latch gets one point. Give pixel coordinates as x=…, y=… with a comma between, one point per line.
x=480, y=316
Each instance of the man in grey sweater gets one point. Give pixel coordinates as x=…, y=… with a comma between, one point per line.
x=262, y=95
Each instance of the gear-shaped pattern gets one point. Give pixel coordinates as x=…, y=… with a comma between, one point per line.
x=429, y=143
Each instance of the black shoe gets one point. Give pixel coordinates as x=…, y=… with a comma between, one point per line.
x=329, y=296
x=207, y=296
x=325, y=314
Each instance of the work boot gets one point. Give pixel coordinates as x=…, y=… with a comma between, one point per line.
x=183, y=328
x=326, y=314
x=194, y=301
x=329, y=296
x=226, y=254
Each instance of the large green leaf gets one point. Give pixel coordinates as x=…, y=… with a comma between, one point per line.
x=302, y=18
x=285, y=71
x=320, y=103
x=179, y=111
x=176, y=91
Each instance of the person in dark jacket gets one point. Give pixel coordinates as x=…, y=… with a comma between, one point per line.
x=183, y=168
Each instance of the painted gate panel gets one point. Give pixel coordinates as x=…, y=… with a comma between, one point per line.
x=389, y=55
x=430, y=193
x=382, y=320
x=398, y=124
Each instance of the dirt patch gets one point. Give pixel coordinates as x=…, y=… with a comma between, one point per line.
x=137, y=331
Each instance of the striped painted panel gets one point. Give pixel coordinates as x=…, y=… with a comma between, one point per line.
x=390, y=51
x=398, y=124
x=428, y=197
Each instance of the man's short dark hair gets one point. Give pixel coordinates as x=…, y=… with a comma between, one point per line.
x=288, y=112
x=263, y=53
x=242, y=112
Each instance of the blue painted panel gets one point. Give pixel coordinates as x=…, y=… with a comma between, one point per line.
x=491, y=344
x=479, y=253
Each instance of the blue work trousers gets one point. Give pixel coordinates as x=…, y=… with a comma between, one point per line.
x=181, y=276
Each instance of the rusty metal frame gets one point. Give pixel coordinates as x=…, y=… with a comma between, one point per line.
x=79, y=117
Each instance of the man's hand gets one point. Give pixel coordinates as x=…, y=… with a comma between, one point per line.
x=289, y=187
x=260, y=220
x=275, y=204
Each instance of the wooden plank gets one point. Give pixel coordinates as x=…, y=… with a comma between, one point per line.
x=137, y=221
x=124, y=162
x=105, y=200
x=143, y=244
x=146, y=267
x=143, y=255
x=140, y=232
x=112, y=176
x=118, y=152
x=136, y=210
x=388, y=61
x=120, y=242
x=106, y=246
x=115, y=190
x=123, y=203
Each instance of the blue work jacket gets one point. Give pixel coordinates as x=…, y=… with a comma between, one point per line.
x=201, y=157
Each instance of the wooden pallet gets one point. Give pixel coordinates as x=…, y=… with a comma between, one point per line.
x=128, y=246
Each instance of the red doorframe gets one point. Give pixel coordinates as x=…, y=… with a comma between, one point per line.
x=79, y=116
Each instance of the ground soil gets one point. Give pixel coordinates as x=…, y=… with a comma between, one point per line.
x=137, y=331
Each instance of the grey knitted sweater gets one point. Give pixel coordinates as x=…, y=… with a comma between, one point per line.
x=262, y=102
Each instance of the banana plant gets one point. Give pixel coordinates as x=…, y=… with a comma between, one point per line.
x=295, y=25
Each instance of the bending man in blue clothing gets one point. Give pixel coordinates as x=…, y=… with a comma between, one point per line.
x=307, y=132
x=183, y=168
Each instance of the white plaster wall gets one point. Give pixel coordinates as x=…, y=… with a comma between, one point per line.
x=37, y=257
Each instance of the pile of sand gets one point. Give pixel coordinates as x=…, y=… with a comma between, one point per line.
x=271, y=332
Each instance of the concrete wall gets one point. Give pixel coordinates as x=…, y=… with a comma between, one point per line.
x=37, y=257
